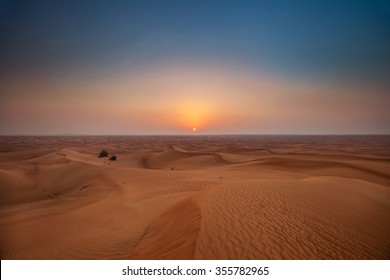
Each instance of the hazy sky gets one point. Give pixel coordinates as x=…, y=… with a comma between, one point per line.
x=165, y=67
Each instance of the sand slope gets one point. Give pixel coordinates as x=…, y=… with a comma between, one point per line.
x=209, y=197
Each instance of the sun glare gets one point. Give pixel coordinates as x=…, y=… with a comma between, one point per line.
x=193, y=116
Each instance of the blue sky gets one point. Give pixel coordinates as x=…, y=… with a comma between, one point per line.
x=337, y=39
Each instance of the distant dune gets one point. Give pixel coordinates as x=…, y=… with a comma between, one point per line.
x=199, y=197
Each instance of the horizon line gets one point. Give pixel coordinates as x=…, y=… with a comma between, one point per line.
x=198, y=134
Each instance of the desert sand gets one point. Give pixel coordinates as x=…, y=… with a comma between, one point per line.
x=195, y=197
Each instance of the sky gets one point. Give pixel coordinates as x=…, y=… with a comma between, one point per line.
x=167, y=67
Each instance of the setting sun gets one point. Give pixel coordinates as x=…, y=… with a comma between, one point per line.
x=194, y=129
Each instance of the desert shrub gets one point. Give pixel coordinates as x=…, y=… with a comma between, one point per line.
x=103, y=153
x=113, y=157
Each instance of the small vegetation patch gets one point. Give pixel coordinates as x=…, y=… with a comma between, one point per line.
x=103, y=153
x=113, y=157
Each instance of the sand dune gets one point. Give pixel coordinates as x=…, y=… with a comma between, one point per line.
x=206, y=197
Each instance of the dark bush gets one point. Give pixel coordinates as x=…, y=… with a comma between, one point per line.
x=103, y=153
x=113, y=157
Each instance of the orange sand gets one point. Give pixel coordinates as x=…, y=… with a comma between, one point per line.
x=204, y=197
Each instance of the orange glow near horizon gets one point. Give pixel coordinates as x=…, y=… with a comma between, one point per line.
x=190, y=100
x=193, y=114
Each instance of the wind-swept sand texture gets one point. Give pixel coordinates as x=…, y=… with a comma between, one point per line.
x=200, y=197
